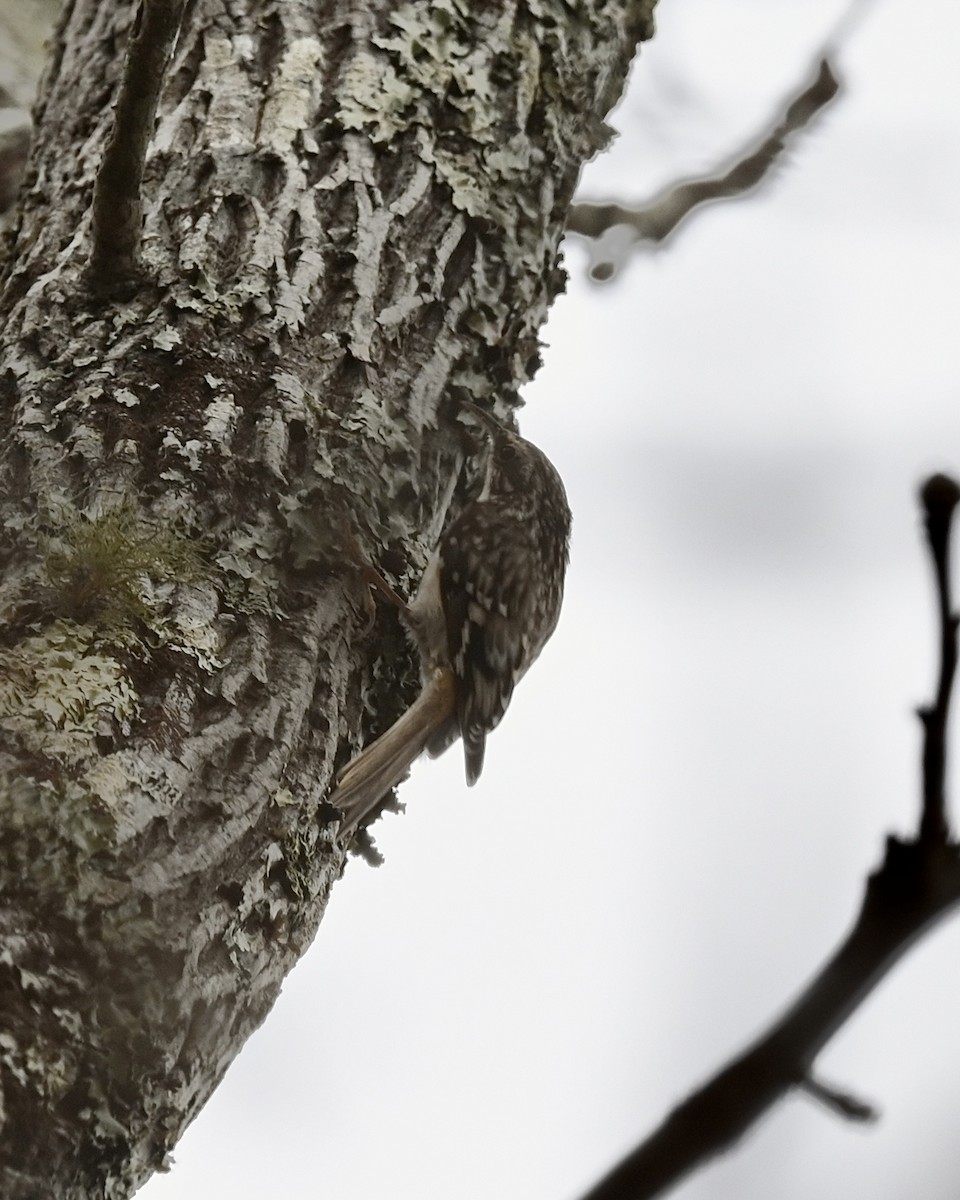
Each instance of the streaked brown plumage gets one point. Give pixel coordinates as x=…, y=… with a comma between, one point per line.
x=487, y=603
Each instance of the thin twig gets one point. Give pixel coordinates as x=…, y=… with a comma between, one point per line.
x=845, y=1105
x=656, y=219
x=916, y=886
x=939, y=497
x=615, y=228
x=114, y=267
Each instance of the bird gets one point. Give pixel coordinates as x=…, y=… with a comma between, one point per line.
x=487, y=603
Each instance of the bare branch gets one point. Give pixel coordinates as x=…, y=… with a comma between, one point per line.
x=655, y=220
x=917, y=885
x=939, y=497
x=850, y=1107
x=117, y=210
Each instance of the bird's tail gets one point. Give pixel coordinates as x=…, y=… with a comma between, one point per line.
x=366, y=779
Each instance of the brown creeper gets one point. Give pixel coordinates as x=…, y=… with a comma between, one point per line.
x=487, y=603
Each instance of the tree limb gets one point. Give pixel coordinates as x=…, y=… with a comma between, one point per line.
x=621, y=226
x=117, y=205
x=939, y=497
x=917, y=885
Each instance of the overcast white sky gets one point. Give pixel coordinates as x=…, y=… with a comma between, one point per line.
x=675, y=820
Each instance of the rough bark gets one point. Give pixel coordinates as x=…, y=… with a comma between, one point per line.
x=351, y=215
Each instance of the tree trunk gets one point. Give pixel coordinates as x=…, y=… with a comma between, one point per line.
x=351, y=214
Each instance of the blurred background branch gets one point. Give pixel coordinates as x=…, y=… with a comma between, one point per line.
x=614, y=229
x=917, y=884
